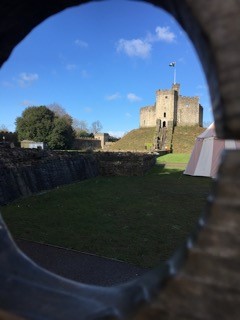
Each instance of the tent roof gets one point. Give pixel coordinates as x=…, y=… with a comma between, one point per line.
x=208, y=133
x=206, y=154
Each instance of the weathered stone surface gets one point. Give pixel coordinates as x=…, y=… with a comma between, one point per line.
x=25, y=172
x=170, y=109
x=124, y=163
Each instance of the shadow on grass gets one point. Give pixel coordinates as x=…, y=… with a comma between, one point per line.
x=161, y=169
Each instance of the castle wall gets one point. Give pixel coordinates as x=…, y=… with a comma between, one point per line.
x=86, y=143
x=148, y=116
x=172, y=109
x=166, y=106
x=189, y=111
x=103, y=137
x=200, y=115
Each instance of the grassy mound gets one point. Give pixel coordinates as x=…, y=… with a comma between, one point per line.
x=135, y=140
x=184, y=138
x=142, y=139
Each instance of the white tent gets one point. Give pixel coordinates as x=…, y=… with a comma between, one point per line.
x=206, y=154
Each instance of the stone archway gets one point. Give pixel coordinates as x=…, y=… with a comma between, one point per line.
x=192, y=288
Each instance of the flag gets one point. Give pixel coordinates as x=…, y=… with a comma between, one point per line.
x=172, y=64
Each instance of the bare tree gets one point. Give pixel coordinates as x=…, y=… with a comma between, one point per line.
x=96, y=127
x=80, y=125
x=3, y=128
x=57, y=109
x=60, y=112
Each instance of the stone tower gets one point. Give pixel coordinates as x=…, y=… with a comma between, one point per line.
x=166, y=106
x=172, y=109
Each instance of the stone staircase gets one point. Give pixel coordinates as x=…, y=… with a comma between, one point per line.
x=163, y=137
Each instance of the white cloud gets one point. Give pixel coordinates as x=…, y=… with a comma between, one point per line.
x=71, y=67
x=114, y=96
x=142, y=47
x=134, y=48
x=81, y=43
x=26, y=79
x=164, y=34
x=133, y=97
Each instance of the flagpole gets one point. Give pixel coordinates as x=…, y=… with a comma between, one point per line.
x=173, y=64
x=175, y=73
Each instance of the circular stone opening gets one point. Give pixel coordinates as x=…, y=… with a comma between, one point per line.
x=200, y=42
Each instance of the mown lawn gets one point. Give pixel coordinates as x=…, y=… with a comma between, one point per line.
x=174, y=158
x=136, y=219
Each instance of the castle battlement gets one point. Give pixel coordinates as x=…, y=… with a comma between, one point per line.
x=172, y=109
x=164, y=91
x=186, y=98
x=147, y=108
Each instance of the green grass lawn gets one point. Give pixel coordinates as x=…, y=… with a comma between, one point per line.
x=136, y=219
x=174, y=158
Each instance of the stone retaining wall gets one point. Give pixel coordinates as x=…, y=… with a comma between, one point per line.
x=29, y=171
x=124, y=164
x=25, y=173
x=86, y=143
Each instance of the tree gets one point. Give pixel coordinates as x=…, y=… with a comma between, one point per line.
x=59, y=111
x=113, y=139
x=36, y=123
x=81, y=128
x=96, y=127
x=42, y=124
x=62, y=135
x=3, y=128
x=80, y=125
x=82, y=134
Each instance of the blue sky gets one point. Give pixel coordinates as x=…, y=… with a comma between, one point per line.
x=101, y=61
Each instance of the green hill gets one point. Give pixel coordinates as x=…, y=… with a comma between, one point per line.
x=142, y=139
x=135, y=140
x=184, y=138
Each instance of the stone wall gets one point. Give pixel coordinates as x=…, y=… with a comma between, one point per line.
x=86, y=143
x=148, y=116
x=166, y=106
x=25, y=172
x=189, y=111
x=102, y=137
x=124, y=164
x=173, y=108
x=9, y=137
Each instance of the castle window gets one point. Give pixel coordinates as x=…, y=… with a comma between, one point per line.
x=164, y=115
x=166, y=97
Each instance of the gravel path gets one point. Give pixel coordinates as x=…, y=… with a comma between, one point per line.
x=82, y=267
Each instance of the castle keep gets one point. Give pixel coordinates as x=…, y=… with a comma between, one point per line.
x=171, y=109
